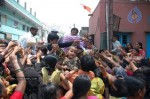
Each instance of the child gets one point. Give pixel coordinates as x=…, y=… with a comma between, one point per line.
x=90, y=48
x=74, y=37
x=71, y=62
x=53, y=46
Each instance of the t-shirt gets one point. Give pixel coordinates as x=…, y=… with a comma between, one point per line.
x=72, y=64
x=142, y=53
x=80, y=72
x=70, y=38
x=116, y=45
x=24, y=39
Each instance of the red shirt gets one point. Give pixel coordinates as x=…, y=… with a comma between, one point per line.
x=129, y=73
x=142, y=53
x=17, y=95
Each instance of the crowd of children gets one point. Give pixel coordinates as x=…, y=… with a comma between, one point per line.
x=73, y=69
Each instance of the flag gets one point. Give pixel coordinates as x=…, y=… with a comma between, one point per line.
x=86, y=8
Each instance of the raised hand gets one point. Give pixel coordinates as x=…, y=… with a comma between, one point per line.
x=11, y=44
x=16, y=49
x=39, y=54
x=55, y=47
x=13, y=58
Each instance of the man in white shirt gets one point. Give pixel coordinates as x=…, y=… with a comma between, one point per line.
x=116, y=46
x=28, y=37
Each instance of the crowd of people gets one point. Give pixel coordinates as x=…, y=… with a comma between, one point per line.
x=72, y=68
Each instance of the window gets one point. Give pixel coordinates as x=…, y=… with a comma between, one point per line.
x=2, y=36
x=23, y=27
x=4, y=19
x=15, y=37
x=8, y=36
x=124, y=39
x=16, y=23
x=28, y=29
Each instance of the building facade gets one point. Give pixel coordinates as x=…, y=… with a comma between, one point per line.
x=15, y=20
x=131, y=23
x=84, y=31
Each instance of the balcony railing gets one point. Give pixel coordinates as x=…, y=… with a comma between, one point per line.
x=11, y=30
x=23, y=11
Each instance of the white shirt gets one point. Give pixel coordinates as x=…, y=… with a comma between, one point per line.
x=24, y=39
x=116, y=45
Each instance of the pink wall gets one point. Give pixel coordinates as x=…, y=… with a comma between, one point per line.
x=94, y=28
x=138, y=28
x=121, y=8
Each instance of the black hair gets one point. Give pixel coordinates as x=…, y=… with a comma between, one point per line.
x=102, y=50
x=144, y=62
x=81, y=86
x=120, y=89
x=145, y=70
x=33, y=28
x=127, y=49
x=49, y=91
x=1, y=88
x=141, y=45
x=134, y=85
x=43, y=48
x=136, y=49
x=50, y=62
x=88, y=63
x=98, y=73
x=75, y=29
x=116, y=37
x=127, y=87
x=52, y=36
x=1, y=69
x=130, y=45
x=32, y=82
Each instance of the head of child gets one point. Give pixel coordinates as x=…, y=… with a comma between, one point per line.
x=74, y=31
x=50, y=62
x=89, y=44
x=81, y=86
x=52, y=38
x=43, y=49
x=72, y=52
x=51, y=91
x=88, y=63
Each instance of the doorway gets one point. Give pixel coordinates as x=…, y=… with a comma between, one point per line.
x=148, y=45
x=123, y=38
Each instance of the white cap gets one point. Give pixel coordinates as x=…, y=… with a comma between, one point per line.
x=54, y=30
